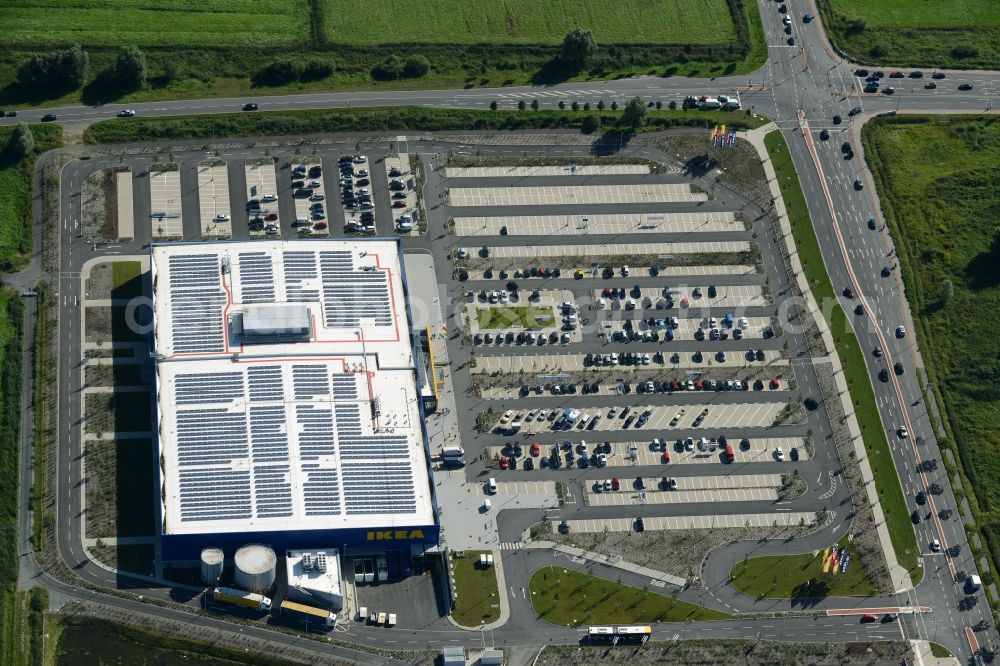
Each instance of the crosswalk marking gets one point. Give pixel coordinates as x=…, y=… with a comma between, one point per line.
x=511, y=545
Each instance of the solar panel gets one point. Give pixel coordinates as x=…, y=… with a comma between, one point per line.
x=256, y=277
x=196, y=302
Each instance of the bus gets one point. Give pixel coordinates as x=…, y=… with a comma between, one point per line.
x=615, y=635
x=601, y=632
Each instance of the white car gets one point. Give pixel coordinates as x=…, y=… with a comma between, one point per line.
x=126, y=113
x=900, y=331
x=779, y=453
x=903, y=432
x=935, y=545
x=607, y=484
x=269, y=198
x=221, y=217
x=360, y=159
x=786, y=19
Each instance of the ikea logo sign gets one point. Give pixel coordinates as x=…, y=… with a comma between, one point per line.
x=395, y=535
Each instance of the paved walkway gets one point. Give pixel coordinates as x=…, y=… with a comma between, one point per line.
x=899, y=576
x=591, y=556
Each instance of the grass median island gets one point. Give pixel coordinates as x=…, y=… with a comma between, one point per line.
x=563, y=596
x=805, y=575
x=959, y=34
x=506, y=316
x=478, y=596
x=904, y=541
x=412, y=118
x=936, y=177
x=15, y=195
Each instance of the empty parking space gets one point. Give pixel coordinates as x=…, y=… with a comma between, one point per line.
x=698, y=522
x=620, y=223
x=566, y=170
x=574, y=195
x=308, y=220
x=515, y=488
x=213, y=199
x=165, y=204
x=610, y=249
x=124, y=220
x=654, y=496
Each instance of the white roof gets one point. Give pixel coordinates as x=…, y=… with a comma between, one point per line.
x=325, y=583
x=321, y=433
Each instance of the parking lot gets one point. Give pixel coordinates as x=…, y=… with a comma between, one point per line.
x=656, y=496
x=402, y=193
x=574, y=195
x=213, y=198
x=695, y=522
x=597, y=250
x=614, y=223
x=308, y=218
x=568, y=362
x=527, y=171
x=165, y=204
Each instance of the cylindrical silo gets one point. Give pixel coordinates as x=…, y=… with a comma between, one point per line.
x=211, y=565
x=255, y=565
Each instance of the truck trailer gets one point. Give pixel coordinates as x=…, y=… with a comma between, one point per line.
x=308, y=614
x=228, y=595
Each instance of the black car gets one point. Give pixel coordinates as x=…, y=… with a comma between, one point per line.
x=250, y=106
x=916, y=74
x=845, y=147
x=858, y=185
x=883, y=375
x=824, y=135
x=965, y=86
x=937, y=75
x=871, y=89
x=861, y=72
x=886, y=271
x=898, y=367
x=49, y=117
x=859, y=309
x=855, y=111
x=872, y=224
x=836, y=120
x=921, y=498
x=915, y=517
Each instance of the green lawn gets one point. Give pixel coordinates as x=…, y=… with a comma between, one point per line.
x=786, y=577
x=478, y=600
x=527, y=21
x=962, y=33
x=893, y=502
x=190, y=23
x=936, y=177
x=563, y=596
x=507, y=316
x=15, y=195
x=126, y=279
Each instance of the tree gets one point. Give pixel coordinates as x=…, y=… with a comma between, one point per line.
x=493, y=105
x=521, y=106
x=562, y=104
x=416, y=66
x=60, y=69
x=634, y=114
x=947, y=290
x=672, y=106
x=589, y=124
x=600, y=105
x=316, y=69
x=586, y=106
x=577, y=48
x=614, y=106
x=278, y=72
x=130, y=67
x=659, y=105
x=21, y=142
x=534, y=105
x=575, y=106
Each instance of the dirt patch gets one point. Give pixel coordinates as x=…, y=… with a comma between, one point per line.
x=120, y=374
x=109, y=412
x=676, y=552
x=99, y=283
x=718, y=651
x=741, y=168
x=99, y=206
x=119, y=488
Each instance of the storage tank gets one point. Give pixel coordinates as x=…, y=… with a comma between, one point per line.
x=255, y=564
x=211, y=565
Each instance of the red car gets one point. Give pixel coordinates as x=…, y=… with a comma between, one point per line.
x=504, y=462
x=399, y=204
x=775, y=384
x=271, y=217
x=675, y=385
x=319, y=225
x=536, y=449
x=896, y=75
x=867, y=617
x=666, y=457
x=730, y=453
x=616, y=484
x=697, y=385
x=606, y=293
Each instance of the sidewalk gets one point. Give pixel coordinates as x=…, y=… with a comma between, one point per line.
x=899, y=576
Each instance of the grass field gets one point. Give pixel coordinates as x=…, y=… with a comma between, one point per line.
x=504, y=316
x=527, y=21
x=785, y=577
x=936, y=178
x=562, y=596
x=478, y=601
x=191, y=23
x=15, y=195
x=917, y=32
x=893, y=502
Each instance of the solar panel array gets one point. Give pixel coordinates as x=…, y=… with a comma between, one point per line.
x=256, y=278
x=299, y=267
x=236, y=435
x=351, y=295
x=196, y=301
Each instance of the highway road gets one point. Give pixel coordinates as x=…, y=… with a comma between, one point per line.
x=802, y=87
